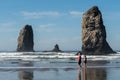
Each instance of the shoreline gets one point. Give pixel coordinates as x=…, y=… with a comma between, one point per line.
x=58, y=67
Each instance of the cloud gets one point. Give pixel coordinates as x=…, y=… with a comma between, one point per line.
x=40, y=14
x=49, y=27
x=7, y=24
x=8, y=27
x=75, y=13
x=46, y=25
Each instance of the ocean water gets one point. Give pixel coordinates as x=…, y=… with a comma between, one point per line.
x=57, y=66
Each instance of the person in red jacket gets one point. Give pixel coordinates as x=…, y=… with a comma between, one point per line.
x=79, y=60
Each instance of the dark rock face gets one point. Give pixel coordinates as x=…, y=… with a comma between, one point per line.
x=56, y=48
x=25, y=39
x=94, y=33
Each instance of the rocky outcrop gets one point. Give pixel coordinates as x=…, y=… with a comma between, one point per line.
x=94, y=33
x=56, y=48
x=25, y=39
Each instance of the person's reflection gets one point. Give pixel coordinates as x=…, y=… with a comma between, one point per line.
x=85, y=72
x=82, y=75
x=92, y=74
x=26, y=74
x=96, y=74
x=79, y=75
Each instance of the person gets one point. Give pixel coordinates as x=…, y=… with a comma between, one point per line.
x=85, y=59
x=85, y=68
x=79, y=60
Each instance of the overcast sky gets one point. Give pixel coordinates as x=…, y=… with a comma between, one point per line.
x=55, y=22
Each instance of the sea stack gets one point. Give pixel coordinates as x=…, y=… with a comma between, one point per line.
x=94, y=33
x=56, y=48
x=25, y=39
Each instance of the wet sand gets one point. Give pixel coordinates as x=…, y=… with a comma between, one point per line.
x=92, y=71
x=61, y=74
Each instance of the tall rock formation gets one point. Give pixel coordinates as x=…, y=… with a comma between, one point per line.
x=25, y=39
x=94, y=33
x=56, y=48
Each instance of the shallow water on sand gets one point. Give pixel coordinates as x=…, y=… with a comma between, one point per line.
x=28, y=70
x=22, y=68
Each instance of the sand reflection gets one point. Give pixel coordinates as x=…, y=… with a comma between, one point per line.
x=96, y=74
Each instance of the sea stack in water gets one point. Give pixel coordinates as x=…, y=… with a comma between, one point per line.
x=94, y=33
x=25, y=39
x=56, y=48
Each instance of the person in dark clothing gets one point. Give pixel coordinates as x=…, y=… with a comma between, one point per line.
x=79, y=59
x=85, y=59
x=85, y=68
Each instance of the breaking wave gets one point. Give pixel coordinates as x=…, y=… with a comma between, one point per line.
x=53, y=55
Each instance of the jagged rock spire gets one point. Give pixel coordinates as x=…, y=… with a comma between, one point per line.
x=56, y=48
x=94, y=33
x=25, y=39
